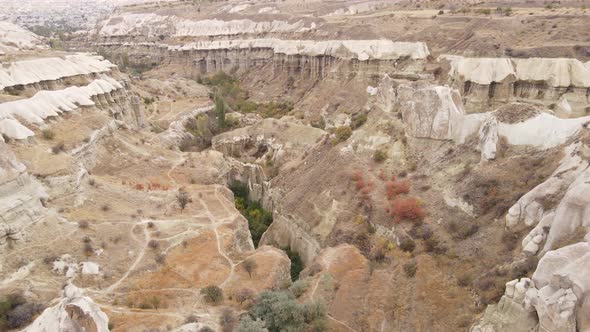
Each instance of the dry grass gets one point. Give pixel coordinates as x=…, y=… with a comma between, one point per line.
x=576, y=236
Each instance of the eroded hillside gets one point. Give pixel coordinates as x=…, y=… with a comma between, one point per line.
x=288, y=166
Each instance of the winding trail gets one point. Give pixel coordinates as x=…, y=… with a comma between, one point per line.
x=135, y=263
x=218, y=238
x=180, y=161
x=312, y=295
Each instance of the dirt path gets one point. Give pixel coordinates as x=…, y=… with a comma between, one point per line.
x=180, y=161
x=218, y=239
x=135, y=263
x=312, y=295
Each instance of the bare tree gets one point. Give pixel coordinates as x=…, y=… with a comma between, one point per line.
x=228, y=319
x=183, y=198
x=243, y=295
x=249, y=266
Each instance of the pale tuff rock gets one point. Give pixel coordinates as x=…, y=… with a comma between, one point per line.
x=562, y=286
x=557, y=293
x=381, y=49
x=362, y=7
x=190, y=327
x=488, y=138
x=436, y=112
x=14, y=38
x=90, y=268
x=568, y=187
x=46, y=104
x=555, y=72
x=528, y=209
x=386, y=95
x=511, y=314
x=559, y=72
x=269, y=10
x=372, y=91
x=431, y=112
x=491, y=82
x=564, y=108
x=480, y=70
x=572, y=212
x=50, y=69
x=152, y=25
x=65, y=265
x=74, y=312
x=21, y=196
x=13, y=129
x=239, y=8
x=542, y=131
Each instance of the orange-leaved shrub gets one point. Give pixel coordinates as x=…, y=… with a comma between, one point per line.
x=407, y=209
x=394, y=188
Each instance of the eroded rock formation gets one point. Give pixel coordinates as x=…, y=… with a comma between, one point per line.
x=74, y=312
x=490, y=82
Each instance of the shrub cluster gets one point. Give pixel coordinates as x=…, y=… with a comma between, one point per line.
x=296, y=263
x=258, y=218
x=342, y=133
x=364, y=188
x=407, y=209
x=279, y=311
x=380, y=156
x=394, y=188
x=16, y=312
x=48, y=134
x=229, y=92
x=212, y=294
x=410, y=269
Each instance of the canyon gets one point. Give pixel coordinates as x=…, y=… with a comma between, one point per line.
x=298, y=166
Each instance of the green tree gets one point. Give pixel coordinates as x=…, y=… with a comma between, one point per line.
x=296, y=263
x=249, y=266
x=220, y=111
x=212, y=294
x=279, y=311
x=247, y=324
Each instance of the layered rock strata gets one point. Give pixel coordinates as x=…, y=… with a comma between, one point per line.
x=304, y=58
x=104, y=92
x=562, y=84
